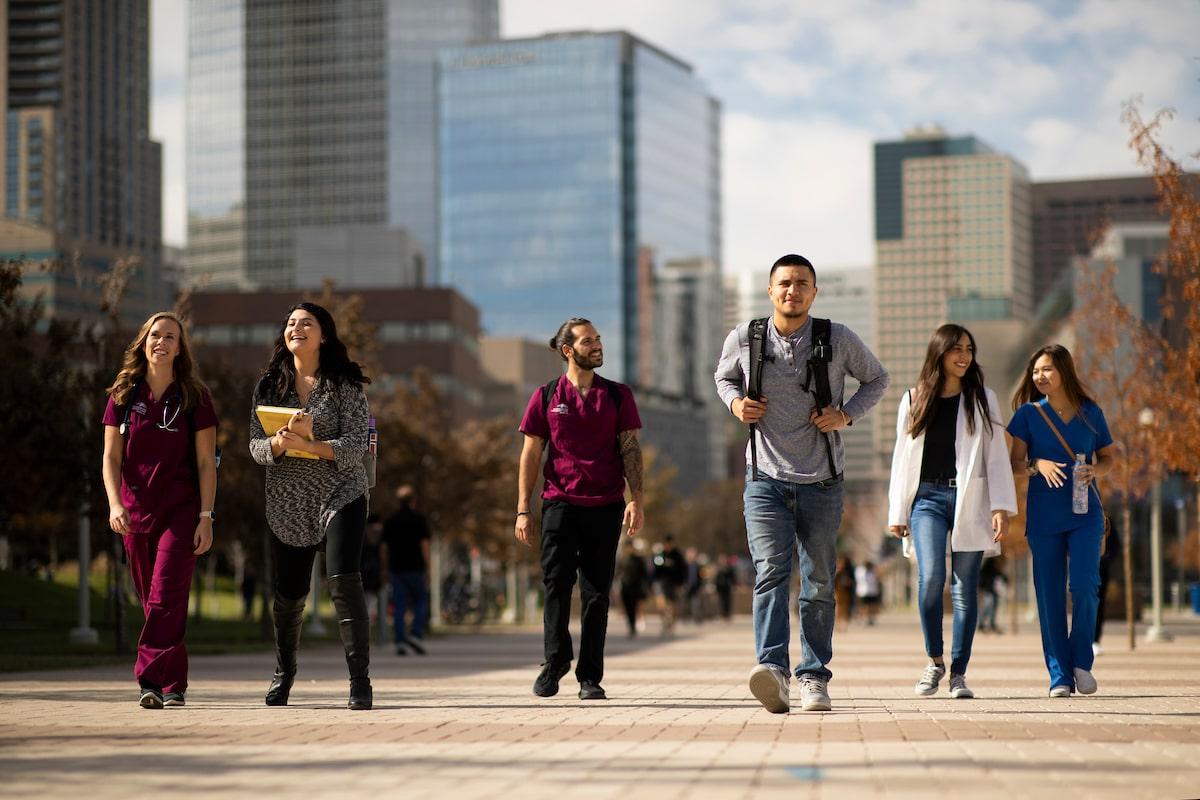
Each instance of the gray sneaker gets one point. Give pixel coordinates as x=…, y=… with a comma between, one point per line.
x=928, y=685
x=769, y=685
x=814, y=694
x=1085, y=682
x=959, y=689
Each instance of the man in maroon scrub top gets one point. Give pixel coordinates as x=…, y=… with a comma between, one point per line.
x=591, y=425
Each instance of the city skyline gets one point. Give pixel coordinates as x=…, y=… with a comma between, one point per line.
x=806, y=91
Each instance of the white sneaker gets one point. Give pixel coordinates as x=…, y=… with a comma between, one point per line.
x=769, y=685
x=814, y=694
x=1085, y=682
x=928, y=685
x=1060, y=691
x=959, y=689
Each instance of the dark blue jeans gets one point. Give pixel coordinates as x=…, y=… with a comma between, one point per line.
x=782, y=518
x=929, y=525
x=410, y=590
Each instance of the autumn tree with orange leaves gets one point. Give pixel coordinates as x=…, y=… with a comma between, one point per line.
x=1177, y=440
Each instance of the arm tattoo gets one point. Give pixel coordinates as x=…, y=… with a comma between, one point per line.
x=631, y=460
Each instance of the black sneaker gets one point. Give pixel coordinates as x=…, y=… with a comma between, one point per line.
x=546, y=684
x=417, y=645
x=401, y=650
x=150, y=698
x=173, y=700
x=590, y=690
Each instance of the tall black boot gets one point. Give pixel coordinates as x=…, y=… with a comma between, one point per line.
x=354, y=625
x=289, y=617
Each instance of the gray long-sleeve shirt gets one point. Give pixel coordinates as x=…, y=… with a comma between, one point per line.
x=790, y=448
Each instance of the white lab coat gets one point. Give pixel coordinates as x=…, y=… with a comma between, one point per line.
x=984, y=477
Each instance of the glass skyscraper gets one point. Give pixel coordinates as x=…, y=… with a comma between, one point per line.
x=81, y=178
x=572, y=168
x=306, y=116
x=416, y=31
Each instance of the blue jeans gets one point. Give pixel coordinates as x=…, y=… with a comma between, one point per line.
x=780, y=515
x=410, y=589
x=929, y=525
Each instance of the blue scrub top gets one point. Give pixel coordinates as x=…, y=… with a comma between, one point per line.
x=1048, y=510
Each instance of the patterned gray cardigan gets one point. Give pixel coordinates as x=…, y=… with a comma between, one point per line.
x=303, y=494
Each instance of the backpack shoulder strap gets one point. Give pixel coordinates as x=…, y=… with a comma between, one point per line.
x=818, y=364
x=129, y=401
x=757, y=335
x=822, y=329
x=614, y=391
x=547, y=393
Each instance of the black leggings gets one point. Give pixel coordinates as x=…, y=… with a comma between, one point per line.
x=343, y=552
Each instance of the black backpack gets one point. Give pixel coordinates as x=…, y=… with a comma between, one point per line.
x=816, y=379
x=611, y=386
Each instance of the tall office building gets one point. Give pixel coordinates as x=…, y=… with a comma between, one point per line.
x=952, y=243
x=682, y=341
x=81, y=182
x=573, y=167
x=416, y=31
x=1069, y=216
x=309, y=117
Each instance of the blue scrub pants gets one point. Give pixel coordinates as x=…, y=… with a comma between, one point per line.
x=1073, y=554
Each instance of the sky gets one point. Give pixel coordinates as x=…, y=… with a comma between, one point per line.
x=807, y=86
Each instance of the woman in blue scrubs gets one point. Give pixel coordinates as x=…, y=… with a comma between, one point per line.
x=1065, y=545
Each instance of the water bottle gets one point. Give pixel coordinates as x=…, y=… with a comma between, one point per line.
x=1079, y=489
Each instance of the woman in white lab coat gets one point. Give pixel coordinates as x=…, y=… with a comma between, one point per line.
x=951, y=483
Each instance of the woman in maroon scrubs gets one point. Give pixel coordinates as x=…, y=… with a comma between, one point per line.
x=161, y=478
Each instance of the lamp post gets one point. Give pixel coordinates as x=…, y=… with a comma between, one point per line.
x=1180, y=530
x=1156, y=633
x=84, y=633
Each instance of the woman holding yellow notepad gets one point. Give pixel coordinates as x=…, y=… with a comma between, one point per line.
x=309, y=429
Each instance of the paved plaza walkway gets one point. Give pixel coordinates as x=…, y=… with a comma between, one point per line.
x=463, y=723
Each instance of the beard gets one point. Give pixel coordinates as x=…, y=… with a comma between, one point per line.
x=591, y=361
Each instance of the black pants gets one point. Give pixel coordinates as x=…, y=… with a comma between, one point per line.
x=583, y=540
x=630, y=598
x=343, y=552
x=1100, y=615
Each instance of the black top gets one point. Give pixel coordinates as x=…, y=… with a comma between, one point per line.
x=403, y=533
x=937, y=460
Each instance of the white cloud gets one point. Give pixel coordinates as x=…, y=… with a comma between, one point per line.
x=1163, y=22
x=779, y=78
x=1155, y=75
x=796, y=185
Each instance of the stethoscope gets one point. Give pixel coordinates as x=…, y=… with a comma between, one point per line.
x=166, y=424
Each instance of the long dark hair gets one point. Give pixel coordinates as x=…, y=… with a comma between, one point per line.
x=335, y=364
x=134, y=365
x=1060, y=356
x=933, y=380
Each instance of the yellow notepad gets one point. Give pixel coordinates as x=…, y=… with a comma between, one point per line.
x=275, y=417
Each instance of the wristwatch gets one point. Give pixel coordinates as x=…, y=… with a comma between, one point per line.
x=208, y=514
x=1031, y=466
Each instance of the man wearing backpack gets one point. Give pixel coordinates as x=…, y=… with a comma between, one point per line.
x=784, y=377
x=591, y=425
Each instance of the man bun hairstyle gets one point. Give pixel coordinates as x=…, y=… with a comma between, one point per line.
x=793, y=260
x=566, y=334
